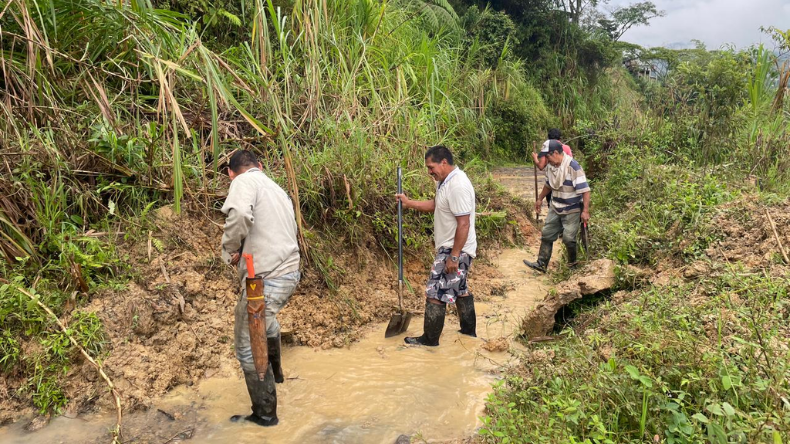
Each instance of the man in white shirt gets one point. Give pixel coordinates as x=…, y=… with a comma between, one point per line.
x=455, y=243
x=260, y=222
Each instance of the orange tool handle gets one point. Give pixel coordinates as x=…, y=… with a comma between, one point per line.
x=250, y=267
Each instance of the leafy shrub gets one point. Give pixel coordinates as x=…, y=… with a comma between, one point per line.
x=648, y=210
x=685, y=364
x=517, y=120
x=491, y=33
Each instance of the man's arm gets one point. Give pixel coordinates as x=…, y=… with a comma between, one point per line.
x=540, y=161
x=538, y=203
x=238, y=206
x=424, y=206
x=586, y=212
x=461, y=234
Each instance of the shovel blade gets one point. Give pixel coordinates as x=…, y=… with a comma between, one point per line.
x=585, y=239
x=399, y=323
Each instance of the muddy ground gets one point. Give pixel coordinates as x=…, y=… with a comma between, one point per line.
x=155, y=345
x=162, y=335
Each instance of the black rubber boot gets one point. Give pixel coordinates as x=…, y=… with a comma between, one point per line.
x=571, y=248
x=466, y=314
x=432, y=327
x=275, y=358
x=544, y=255
x=264, y=399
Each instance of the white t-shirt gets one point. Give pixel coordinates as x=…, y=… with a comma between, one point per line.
x=455, y=196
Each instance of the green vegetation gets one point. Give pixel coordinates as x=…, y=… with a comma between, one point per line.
x=333, y=96
x=701, y=357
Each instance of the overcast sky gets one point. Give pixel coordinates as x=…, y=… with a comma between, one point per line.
x=714, y=22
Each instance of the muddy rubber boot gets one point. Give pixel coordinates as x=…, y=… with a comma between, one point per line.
x=432, y=327
x=275, y=358
x=544, y=255
x=264, y=400
x=571, y=248
x=466, y=314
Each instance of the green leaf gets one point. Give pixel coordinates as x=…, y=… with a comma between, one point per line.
x=728, y=409
x=726, y=381
x=716, y=434
x=632, y=371
x=77, y=219
x=700, y=417
x=715, y=409
x=232, y=18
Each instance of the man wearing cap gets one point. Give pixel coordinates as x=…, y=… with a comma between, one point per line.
x=540, y=158
x=453, y=210
x=570, y=205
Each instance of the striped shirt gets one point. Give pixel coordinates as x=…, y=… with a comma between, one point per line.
x=568, y=198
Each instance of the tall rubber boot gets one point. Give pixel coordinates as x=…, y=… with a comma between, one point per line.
x=571, y=248
x=275, y=358
x=264, y=399
x=466, y=314
x=544, y=255
x=432, y=327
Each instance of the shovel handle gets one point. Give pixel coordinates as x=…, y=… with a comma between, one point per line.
x=400, y=226
x=250, y=267
x=400, y=240
x=535, y=175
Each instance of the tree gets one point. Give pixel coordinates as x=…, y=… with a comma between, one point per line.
x=490, y=32
x=576, y=8
x=623, y=19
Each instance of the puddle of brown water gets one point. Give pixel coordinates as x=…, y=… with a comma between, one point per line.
x=370, y=392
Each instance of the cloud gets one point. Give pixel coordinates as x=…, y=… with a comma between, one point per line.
x=714, y=22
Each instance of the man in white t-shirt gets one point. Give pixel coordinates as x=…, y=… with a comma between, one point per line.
x=455, y=242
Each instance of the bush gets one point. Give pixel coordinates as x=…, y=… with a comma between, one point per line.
x=518, y=120
x=490, y=33
x=690, y=364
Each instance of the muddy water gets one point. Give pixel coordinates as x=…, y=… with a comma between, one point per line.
x=369, y=392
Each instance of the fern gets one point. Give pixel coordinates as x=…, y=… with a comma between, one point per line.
x=436, y=12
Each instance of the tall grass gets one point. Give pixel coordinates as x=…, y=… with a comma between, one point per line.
x=332, y=95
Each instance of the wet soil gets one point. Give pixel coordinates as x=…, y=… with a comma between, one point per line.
x=175, y=369
x=369, y=392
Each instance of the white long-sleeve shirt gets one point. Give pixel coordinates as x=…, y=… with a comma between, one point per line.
x=260, y=221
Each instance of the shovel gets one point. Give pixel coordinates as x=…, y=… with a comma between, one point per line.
x=585, y=239
x=399, y=321
x=535, y=171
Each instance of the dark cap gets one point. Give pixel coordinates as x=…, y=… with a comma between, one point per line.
x=554, y=145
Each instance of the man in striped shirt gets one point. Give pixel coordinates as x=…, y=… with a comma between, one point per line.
x=570, y=205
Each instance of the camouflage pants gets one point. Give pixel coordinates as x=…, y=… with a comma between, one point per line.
x=447, y=288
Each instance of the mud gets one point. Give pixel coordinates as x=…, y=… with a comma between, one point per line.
x=745, y=236
x=169, y=338
x=369, y=392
